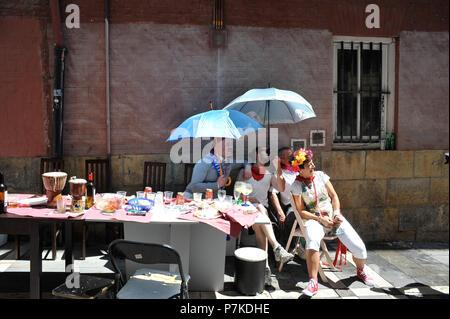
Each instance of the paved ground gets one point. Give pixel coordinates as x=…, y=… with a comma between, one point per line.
x=401, y=271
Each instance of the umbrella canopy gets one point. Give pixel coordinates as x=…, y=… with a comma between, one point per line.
x=215, y=123
x=272, y=106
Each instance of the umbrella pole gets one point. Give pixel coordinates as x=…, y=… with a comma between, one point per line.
x=215, y=141
x=268, y=119
x=220, y=163
x=268, y=123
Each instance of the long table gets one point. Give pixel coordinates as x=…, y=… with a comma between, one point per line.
x=20, y=225
x=202, y=248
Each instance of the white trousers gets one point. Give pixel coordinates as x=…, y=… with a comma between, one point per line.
x=349, y=237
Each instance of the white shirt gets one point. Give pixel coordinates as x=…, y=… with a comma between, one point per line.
x=261, y=187
x=289, y=178
x=308, y=194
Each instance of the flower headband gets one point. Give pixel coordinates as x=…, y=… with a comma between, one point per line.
x=300, y=157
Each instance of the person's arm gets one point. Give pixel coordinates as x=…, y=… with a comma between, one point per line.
x=278, y=181
x=304, y=214
x=334, y=202
x=276, y=203
x=198, y=184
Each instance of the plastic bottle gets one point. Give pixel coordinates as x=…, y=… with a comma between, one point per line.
x=3, y=196
x=392, y=141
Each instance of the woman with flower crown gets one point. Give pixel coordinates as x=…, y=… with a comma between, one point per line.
x=318, y=204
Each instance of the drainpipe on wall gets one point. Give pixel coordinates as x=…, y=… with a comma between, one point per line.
x=108, y=111
x=58, y=88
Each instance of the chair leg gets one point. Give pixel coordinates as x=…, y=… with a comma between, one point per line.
x=17, y=246
x=291, y=235
x=83, y=241
x=54, y=235
x=327, y=255
x=322, y=274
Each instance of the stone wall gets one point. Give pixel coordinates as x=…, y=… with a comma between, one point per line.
x=386, y=195
x=392, y=195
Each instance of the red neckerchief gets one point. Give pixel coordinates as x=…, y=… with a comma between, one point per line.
x=307, y=181
x=258, y=172
x=286, y=167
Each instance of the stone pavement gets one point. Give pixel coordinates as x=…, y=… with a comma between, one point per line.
x=401, y=271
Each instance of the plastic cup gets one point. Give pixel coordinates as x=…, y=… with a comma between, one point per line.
x=123, y=195
x=60, y=205
x=197, y=197
x=140, y=194
x=221, y=193
x=168, y=198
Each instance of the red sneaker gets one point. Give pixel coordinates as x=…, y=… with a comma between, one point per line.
x=312, y=287
x=364, y=276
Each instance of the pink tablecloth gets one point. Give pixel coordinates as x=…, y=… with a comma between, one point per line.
x=121, y=214
x=40, y=211
x=232, y=222
x=235, y=213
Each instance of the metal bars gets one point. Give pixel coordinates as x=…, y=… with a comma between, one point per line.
x=363, y=88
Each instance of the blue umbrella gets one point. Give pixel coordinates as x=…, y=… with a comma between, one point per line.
x=273, y=106
x=215, y=123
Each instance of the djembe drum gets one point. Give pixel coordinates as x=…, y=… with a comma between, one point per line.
x=77, y=190
x=54, y=183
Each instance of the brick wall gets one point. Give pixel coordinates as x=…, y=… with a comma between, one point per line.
x=161, y=60
x=172, y=68
x=85, y=91
x=423, y=91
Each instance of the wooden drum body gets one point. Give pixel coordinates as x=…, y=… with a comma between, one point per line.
x=54, y=183
x=77, y=188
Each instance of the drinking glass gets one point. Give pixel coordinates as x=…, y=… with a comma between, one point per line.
x=221, y=193
x=123, y=195
x=60, y=204
x=168, y=198
x=140, y=194
x=229, y=199
x=237, y=190
x=151, y=196
x=197, y=197
x=246, y=190
x=159, y=199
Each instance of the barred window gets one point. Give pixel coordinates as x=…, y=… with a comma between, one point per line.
x=361, y=88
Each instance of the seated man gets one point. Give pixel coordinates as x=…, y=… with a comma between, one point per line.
x=206, y=173
x=261, y=180
x=318, y=205
x=280, y=209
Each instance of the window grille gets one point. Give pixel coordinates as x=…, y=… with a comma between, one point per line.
x=359, y=96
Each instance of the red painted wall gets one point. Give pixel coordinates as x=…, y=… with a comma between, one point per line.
x=23, y=106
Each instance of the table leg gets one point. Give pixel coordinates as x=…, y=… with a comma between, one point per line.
x=68, y=247
x=35, y=261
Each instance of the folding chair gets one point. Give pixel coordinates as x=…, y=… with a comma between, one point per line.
x=155, y=175
x=298, y=231
x=147, y=283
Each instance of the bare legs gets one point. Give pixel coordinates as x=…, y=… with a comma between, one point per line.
x=313, y=260
x=264, y=233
